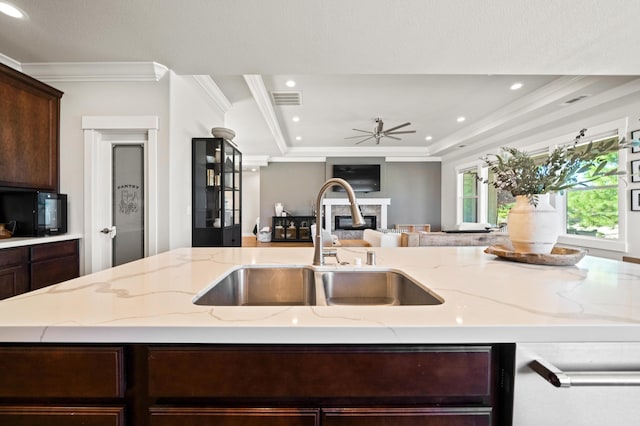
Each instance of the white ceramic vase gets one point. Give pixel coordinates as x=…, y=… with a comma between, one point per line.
x=279, y=208
x=533, y=229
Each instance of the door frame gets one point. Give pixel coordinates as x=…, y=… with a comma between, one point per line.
x=93, y=128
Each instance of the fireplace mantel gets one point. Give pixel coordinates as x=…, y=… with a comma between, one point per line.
x=328, y=203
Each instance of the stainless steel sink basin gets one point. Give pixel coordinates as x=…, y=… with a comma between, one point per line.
x=375, y=288
x=262, y=286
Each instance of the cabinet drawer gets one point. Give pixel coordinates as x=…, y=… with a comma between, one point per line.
x=61, y=416
x=61, y=372
x=231, y=417
x=14, y=280
x=52, y=250
x=14, y=256
x=53, y=271
x=451, y=373
x=449, y=416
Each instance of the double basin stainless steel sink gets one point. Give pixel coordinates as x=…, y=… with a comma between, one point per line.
x=259, y=285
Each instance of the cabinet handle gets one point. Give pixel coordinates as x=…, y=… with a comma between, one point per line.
x=567, y=379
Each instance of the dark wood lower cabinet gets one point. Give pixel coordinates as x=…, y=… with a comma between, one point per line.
x=233, y=417
x=28, y=268
x=407, y=417
x=61, y=416
x=246, y=385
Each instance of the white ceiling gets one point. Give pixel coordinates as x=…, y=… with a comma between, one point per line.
x=425, y=62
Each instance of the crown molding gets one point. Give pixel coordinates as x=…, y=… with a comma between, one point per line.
x=213, y=91
x=10, y=62
x=95, y=71
x=261, y=96
x=297, y=159
x=353, y=151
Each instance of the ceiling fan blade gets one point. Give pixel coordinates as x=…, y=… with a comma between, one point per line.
x=392, y=137
x=365, y=131
x=364, y=140
x=359, y=136
x=397, y=127
x=400, y=133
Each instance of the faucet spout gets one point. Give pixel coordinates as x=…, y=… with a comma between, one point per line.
x=358, y=220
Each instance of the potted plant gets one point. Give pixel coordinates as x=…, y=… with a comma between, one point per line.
x=533, y=224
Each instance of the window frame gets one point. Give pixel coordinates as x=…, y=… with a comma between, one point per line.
x=559, y=201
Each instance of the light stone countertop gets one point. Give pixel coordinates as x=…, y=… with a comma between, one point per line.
x=487, y=300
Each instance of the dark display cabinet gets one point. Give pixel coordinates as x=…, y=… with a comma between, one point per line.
x=291, y=228
x=216, y=197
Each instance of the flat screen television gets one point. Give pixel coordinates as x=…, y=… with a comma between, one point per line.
x=361, y=177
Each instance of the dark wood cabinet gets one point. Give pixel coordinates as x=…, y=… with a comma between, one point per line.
x=216, y=193
x=348, y=385
x=266, y=385
x=29, y=268
x=62, y=385
x=291, y=228
x=29, y=134
x=14, y=273
x=234, y=416
x=437, y=416
x=53, y=263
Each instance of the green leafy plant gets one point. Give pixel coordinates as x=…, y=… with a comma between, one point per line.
x=566, y=166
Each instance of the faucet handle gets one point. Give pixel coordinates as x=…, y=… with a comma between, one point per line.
x=330, y=252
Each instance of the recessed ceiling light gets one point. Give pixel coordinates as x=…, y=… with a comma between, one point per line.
x=254, y=170
x=429, y=138
x=515, y=86
x=296, y=119
x=11, y=10
x=460, y=119
x=298, y=138
x=290, y=83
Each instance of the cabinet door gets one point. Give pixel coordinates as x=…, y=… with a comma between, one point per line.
x=407, y=417
x=30, y=114
x=14, y=280
x=233, y=417
x=61, y=416
x=53, y=263
x=53, y=271
x=61, y=372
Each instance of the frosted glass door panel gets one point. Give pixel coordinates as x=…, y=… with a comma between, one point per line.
x=128, y=203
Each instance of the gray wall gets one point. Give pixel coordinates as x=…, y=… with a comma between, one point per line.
x=414, y=189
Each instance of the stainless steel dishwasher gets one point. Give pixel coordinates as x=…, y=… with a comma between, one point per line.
x=580, y=384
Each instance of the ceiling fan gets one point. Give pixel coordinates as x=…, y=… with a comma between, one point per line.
x=379, y=132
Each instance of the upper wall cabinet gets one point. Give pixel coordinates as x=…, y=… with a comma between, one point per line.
x=29, y=132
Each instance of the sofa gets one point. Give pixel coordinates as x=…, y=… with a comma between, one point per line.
x=382, y=239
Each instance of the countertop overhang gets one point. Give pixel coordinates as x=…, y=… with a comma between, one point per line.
x=487, y=300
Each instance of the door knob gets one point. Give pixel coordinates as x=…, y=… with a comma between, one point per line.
x=111, y=231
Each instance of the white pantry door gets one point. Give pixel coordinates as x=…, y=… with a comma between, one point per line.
x=120, y=190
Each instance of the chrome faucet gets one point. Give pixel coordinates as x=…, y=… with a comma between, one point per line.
x=319, y=252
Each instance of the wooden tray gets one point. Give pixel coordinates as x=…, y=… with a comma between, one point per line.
x=559, y=256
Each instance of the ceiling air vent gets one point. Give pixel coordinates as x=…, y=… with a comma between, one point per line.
x=286, y=98
x=574, y=100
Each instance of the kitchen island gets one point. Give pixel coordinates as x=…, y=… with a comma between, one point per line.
x=143, y=312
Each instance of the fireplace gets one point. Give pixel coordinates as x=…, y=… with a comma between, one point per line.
x=346, y=223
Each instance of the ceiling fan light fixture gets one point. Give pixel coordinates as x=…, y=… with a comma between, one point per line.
x=11, y=10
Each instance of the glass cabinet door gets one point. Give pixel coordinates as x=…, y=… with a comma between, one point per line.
x=216, y=186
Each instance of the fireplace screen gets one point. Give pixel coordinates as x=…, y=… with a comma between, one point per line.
x=346, y=223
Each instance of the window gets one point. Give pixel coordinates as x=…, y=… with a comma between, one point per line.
x=592, y=209
x=470, y=195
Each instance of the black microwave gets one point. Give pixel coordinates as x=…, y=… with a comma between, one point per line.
x=35, y=213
